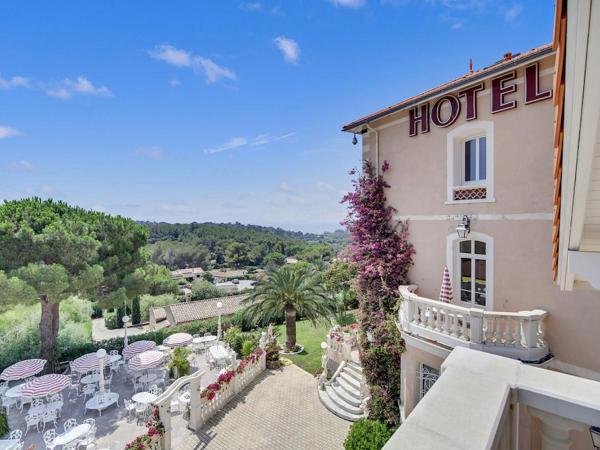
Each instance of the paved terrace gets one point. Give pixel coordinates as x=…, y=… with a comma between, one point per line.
x=280, y=410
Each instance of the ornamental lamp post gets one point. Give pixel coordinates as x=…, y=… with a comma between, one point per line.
x=219, y=331
x=125, y=320
x=464, y=227
x=101, y=355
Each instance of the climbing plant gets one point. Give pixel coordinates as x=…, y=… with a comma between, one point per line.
x=382, y=254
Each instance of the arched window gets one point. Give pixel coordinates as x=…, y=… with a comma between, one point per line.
x=470, y=262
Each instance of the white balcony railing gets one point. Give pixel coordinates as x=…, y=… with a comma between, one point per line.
x=518, y=335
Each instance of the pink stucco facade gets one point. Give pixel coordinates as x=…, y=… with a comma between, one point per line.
x=518, y=219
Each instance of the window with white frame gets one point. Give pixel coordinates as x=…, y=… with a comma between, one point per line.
x=427, y=378
x=473, y=271
x=471, y=265
x=470, y=163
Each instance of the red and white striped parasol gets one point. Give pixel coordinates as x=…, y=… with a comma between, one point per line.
x=137, y=347
x=45, y=385
x=446, y=290
x=23, y=369
x=178, y=340
x=146, y=360
x=87, y=363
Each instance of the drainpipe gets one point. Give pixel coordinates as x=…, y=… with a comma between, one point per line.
x=369, y=127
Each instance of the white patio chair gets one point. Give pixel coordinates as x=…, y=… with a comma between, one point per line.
x=49, y=416
x=70, y=423
x=89, y=439
x=36, y=403
x=136, y=385
x=15, y=435
x=140, y=411
x=154, y=389
x=108, y=381
x=49, y=437
x=70, y=446
x=19, y=446
x=24, y=401
x=91, y=423
x=3, y=387
x=88, y=389
x=129, y=409
x=32, y=420
x=7, y=402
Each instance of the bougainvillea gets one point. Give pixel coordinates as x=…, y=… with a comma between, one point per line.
x=383, y=255
x=146, y=441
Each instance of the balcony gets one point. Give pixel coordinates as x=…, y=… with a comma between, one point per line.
x=517, y=335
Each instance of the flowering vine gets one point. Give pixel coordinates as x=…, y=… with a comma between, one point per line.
x=383, y=256
x=156, y=429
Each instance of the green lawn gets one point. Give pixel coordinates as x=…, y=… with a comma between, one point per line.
x=311, y=337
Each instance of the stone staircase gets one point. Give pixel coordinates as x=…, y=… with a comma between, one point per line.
x=342, y=395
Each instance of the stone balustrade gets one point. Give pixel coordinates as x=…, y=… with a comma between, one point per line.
x=518, y=335
x=209, y=407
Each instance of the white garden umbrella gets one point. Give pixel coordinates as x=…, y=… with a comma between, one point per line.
x=446, y=290
x=137, y=347
x=23, y=369
x=146, y=360
x=87, y=363
x=178, y=340
x=45, y=385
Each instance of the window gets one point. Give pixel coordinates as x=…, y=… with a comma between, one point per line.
x=470, y=262
x=428, y=377
x=473, y=273
x=470, y=163
x=474, y=161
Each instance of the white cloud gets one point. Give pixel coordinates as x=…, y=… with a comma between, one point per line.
x=251, y=6
x=172, y=55
x=23, y=166
x=16, y=81
x=212, y=71
x=289, y=48
x=513, y=12
x=174, y=83
x=6, y=132
x=237, y=142
x=348, y=3
x=151, y=153
x=81, y=85
x=183, y=58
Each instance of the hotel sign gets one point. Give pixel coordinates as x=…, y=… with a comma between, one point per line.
x=502, y=86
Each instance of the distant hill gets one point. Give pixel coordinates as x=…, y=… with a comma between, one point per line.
x=234, y=244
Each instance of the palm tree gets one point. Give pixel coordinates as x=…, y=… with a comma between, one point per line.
x=291, y=291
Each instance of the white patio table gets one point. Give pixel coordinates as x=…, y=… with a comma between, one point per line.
x=73, y=434
x=109, y=398
x=15, y=391
x=90, y=379
x=8, y=444
x=204, y=339
x=115, y=358
x=163, y=348
x=218, y=352
x=144, y=398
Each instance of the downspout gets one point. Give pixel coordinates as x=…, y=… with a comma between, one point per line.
x=369, y=127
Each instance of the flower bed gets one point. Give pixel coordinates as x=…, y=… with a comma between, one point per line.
x=151, y=439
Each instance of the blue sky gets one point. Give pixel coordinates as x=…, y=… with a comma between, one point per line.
x=223, y=110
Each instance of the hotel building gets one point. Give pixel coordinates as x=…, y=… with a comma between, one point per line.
x=497, y=174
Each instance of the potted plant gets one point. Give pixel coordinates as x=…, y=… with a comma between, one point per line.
x=272, y=356
x=179, y=365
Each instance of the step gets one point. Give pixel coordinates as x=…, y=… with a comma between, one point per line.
x=358, y=376
x=339, y=399
x=350, y=380
x=354, y=366
x=351, y=390
x=335, y=409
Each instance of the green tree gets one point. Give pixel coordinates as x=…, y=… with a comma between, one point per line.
x=237, y=254
x=339, y=280
x=291, y=291
x=202, y=289
x=56, y=251
x=136, y=313
x=274, y=260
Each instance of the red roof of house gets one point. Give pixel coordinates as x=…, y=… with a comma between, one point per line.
x=505, y=63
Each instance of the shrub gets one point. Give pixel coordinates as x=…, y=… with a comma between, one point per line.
x=153, y=301
x=180, y=362
x=272, y=351
x=136, y=314
x=368, y=434
x=233, y=336
x=4, y=429
x=202, y=289
x=110, y=321
x=248, y=347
